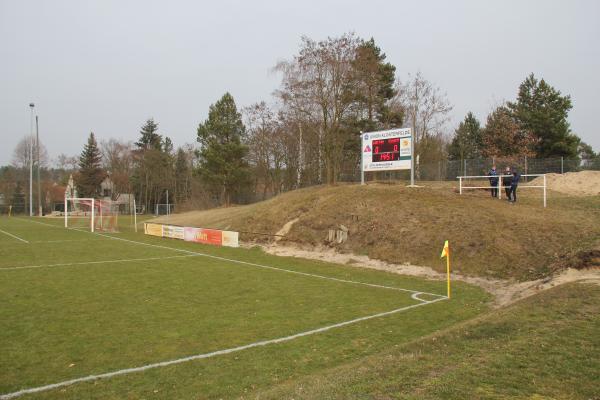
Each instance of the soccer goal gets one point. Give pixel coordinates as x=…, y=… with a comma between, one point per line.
x=164, y=209
x=98, y=215
x=479, y=182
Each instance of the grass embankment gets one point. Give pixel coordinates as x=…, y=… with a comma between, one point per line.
x=489, y=237
x=544, y=347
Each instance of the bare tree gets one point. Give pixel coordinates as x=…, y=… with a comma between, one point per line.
x=117, y=160
x=319, y=82
x=297, y=113
x=67, y=163
x=25, y=150
x=425, y=107
x=184, y=167
x=266, y=147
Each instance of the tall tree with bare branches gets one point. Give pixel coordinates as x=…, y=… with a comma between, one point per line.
x=324, y=87
x=426, y=107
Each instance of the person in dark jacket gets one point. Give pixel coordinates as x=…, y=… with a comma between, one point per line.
x=506, y=182
x=513, y=185
x=493, y=181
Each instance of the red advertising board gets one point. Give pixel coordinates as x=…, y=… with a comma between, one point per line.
x=206, y=236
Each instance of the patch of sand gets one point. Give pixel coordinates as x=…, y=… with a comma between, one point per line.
x=285, y=229
x=583, y=183
x=505, y=292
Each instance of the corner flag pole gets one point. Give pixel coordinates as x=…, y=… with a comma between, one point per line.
x=446, y=253
x=448, y=271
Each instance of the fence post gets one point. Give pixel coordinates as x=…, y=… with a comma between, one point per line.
x=460, y=185
x=499, y=186
x=544, y=190
x=465, y=167
x=562, y=165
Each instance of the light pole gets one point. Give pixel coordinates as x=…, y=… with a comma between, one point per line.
x=31, y=106
x=37, y=141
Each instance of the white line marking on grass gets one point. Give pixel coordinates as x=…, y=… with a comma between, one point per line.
x=65, y=240
x=254, y=264
x=13, y=236
x=272, y=268
x=95, y=262
x=211, y=354
x=415, y=296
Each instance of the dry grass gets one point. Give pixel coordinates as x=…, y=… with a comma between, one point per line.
x=397, y=224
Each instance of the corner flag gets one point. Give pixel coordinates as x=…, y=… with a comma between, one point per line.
x=446, y=253
x=445, y=250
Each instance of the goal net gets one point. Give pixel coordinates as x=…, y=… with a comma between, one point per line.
x=164, y=209
x=99, y=215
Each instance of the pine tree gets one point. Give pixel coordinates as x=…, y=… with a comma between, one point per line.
x=375, y=80
x=150, y=139
x=90, y=174
x=542, y=110
x=18, y=199
x=504, y=137
x=467, y=141
x=222, y=157
x=167, y=145
x=586, y=152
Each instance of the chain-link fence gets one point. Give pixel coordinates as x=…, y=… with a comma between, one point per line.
x=448, y=170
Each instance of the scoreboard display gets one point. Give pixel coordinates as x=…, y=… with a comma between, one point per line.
x=387, y=150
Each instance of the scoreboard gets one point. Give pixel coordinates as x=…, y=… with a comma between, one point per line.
x=387, y=150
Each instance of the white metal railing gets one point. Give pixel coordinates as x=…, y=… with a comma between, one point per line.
x=499, y=186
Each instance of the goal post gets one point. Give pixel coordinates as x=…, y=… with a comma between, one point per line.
x=78, y=210
x=463, y=183
x=100, y=214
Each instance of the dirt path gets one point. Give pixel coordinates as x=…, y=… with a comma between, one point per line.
x=504, y=291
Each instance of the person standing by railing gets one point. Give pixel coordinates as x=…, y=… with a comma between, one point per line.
x=506, y=182
x=514, y=184
x=493, y=181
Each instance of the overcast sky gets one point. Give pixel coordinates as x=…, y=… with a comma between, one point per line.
x=107, y=66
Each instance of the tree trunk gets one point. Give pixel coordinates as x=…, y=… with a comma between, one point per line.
x=300, y=157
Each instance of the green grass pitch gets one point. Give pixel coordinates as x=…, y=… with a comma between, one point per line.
x=75, y=304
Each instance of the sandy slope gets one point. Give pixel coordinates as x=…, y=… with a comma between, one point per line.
x=583, y=183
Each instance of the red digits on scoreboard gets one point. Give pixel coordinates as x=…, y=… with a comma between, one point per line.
x=386, y=149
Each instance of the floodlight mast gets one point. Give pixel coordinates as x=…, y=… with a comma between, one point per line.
x=31, y=106
x=37, y=141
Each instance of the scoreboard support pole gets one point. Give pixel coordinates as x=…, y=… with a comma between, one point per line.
x=362, y=170
x=412, y=158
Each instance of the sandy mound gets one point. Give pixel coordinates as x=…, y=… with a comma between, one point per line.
x=584, y=183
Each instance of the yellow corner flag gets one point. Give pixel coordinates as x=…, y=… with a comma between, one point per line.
x=446, y=253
